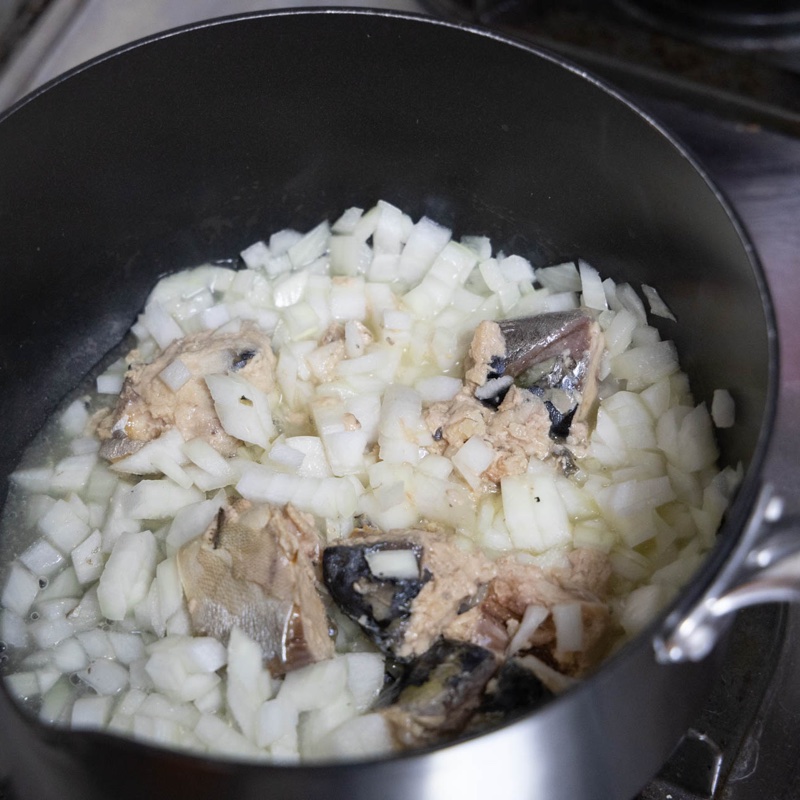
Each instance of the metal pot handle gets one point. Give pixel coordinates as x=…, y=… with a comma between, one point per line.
x=763, y=568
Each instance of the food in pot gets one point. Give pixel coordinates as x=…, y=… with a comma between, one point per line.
x=374, y=490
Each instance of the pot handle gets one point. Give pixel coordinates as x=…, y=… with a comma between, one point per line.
x=763, y=568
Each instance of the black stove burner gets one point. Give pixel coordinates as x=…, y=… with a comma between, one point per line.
x=713, y=61
x=702, y=764
x=734, y=24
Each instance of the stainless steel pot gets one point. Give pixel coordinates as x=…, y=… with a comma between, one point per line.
x=191, y=145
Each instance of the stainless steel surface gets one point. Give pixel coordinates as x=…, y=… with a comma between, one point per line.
x=759, y=171
x=758, y=571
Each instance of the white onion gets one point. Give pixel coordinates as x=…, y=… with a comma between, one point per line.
x=127, y=575
x=397, y=564
x=657, y=305
x=593, y=293
x=242, y=408
x=91, y=712
x=175, y=374
x=569, y=626
x=353, y=441
x=723, y=409
x=533, y=617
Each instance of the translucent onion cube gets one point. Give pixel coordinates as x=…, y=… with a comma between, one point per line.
x=242, y=409
x=91, y=712
x=723, y=409
x=127, y=575
x=20, y=590
x=534, y=512
x=88, y=558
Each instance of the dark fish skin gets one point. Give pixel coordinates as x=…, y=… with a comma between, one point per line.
x=437, y=693
x=404, y=616
x=379, y=605
x=513, y=691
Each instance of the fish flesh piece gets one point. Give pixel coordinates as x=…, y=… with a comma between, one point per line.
x=254, y=569
x=147, y=407
x=404, y=612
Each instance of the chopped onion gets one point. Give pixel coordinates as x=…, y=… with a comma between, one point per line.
x=175, y=374
x=394, y=564
x=723, y=409
x=657, y=305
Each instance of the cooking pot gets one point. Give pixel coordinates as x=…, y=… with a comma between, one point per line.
x=191, y=145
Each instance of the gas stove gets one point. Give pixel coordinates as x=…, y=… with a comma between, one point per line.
x=728, y=86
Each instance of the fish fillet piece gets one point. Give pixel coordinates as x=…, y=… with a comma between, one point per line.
x=147, y=407
x=254, y=569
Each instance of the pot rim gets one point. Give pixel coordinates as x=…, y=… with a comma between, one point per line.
x=736, y=515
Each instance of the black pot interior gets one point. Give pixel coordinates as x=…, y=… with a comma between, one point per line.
x=193, y=146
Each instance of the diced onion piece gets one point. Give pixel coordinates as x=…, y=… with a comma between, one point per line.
x=560, y=278
x=516, y=269
x=493, y=277
x=314, y=462
x=646, y=364
x=41, y=558
x=396, y=320
x=311, y=246
x=33, y=479
x=533, y=617
x=256, y=256
x=657, y=305
x=71, y=474
x=281, y=241
x=286, y=456
x=158, y=499
x=345, y=451
x=277, y=726
x=389, y=231
x=640, y=607
x=88, y=559
x=192, y=520
x=426, y=241
x=568, y=620
x=214, y=732
x=175, y=374
x=365, y=677
x=63, y=527
x=348, y=220
x=696, y=443
x=723, y=409
x=13, y=630
x=312, y=686
x=91, y=712
x=242, y=409
x=348, y=300
x=394, y=564
x=161, y=325
x=249, y=685
x=106, y=677
x=534, y=512
x=49, y=632
x=290, y=290
x=20, y=590
x=74, y=418
x=438, y=388
x=627, y=297
x=593, y=293
x=472, y=459
x=166, y=451
x=127, y=575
